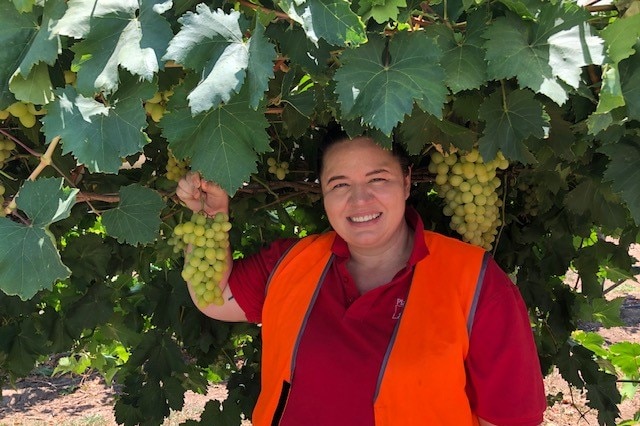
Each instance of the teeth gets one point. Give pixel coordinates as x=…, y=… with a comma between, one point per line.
x=366, y=218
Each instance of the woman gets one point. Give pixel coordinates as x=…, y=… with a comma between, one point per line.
x=334, y=349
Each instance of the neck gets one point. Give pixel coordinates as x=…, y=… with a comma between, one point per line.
x=372, y=268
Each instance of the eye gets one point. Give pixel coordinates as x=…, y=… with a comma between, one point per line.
x=339, y=185
x=378, y=179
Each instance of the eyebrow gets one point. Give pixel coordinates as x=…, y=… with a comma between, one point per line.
x=371, y=173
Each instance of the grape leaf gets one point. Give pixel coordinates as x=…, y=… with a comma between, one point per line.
x=626, y=356
x=543, y=56
x=300, y=50
x=24, y=5
x=463, y=63
x=620, y=36
x=25, y=44
x=421, y=129
x=509, y=122
x=379, y=82
x=331, y=20
x=606, y=312
x=212, y=44
x=611, y=96
x=380, y=11
x=624, y=173
x=87, y=256
x=29, y=259
x=130, y=34
x=590, y=197
x=35, y=88
x=136, y=219
x=100, y=135
x=222, y=143
x=630, y=78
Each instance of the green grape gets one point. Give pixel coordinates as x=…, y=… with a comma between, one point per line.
x=206, y=262
x=469, y=186
x=176, y=169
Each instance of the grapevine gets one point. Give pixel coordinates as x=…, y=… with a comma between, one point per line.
x=206, y=240
x=470, y=187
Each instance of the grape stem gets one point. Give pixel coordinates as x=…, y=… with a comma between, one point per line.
x=279, y=15
x=45, y=159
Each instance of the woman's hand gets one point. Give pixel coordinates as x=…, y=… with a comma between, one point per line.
x=202, y=195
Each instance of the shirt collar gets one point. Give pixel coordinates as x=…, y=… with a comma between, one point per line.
x=419, y=251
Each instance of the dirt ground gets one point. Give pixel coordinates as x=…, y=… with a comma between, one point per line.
x=41, y=400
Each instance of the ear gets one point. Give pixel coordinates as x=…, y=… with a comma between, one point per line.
x=407, y=183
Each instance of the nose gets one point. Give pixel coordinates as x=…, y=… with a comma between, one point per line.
x=360, y=193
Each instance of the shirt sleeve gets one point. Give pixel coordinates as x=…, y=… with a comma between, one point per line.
x=249, y=277
x=505, y=380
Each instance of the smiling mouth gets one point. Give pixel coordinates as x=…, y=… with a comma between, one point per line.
x=365, y=218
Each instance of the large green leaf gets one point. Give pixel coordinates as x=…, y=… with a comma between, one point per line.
x=379, y=81
x=35, y=87
x=543, y=56
x=620, y=36
x=222, y=143
x=212, y=43
x=630, y=85
x=129, y=33
x=624, y=173
x=332, y=20
x=421, y=129
x=510, y=120
x=590, y=197
x=463, y=58
x=100, y=134
x=300, y=50
x=26, y=42
x=136, y=219
x=29, y=259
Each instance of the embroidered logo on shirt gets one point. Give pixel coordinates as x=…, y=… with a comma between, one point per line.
x=398, y=309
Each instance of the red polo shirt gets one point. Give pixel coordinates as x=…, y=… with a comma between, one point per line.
x=347, y=334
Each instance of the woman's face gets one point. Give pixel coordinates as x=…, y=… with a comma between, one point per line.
x=364, y=193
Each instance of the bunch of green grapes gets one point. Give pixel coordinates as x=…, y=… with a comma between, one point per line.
x=156, y=106
x=206, y=260
x=176, y=169
x=470, y=187
x=6, y=146
x=280, y=169
x=25, y=112
x=529, y=199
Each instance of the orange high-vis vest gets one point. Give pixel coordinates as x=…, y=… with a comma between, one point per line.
x=422, y=377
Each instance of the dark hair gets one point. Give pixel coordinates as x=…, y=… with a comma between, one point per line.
x=335, y=134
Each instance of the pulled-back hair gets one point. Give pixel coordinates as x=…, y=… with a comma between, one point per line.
x=335, y=134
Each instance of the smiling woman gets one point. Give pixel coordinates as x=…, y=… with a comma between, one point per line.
x=378, y=316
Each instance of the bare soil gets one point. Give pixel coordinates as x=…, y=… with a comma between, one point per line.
x=40, y=399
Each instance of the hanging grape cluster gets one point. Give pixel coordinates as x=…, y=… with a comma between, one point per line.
x=176, y=169
x=156, y=106
x=469, y=186
x=25, y=112
x=206, y=258
x=280, y=169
